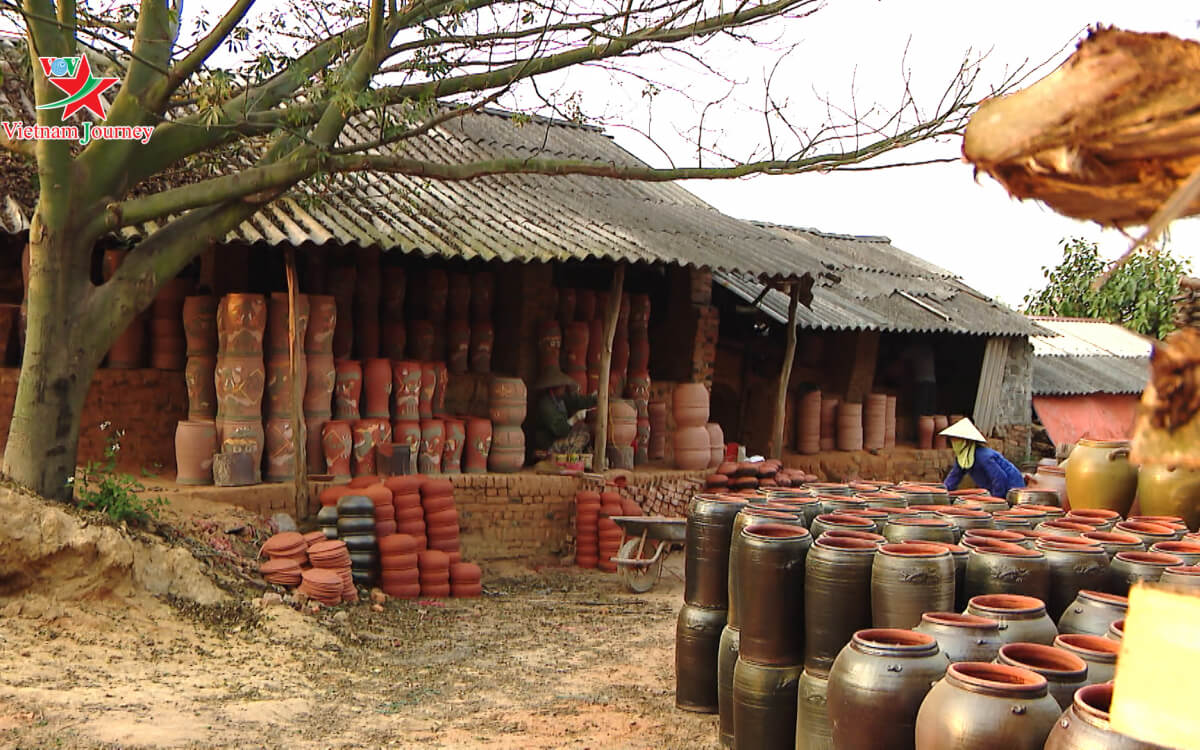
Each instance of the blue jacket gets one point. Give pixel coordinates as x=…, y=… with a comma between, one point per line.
x=991, y=471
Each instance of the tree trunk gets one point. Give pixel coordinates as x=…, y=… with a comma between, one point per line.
x=600, y=447
x=785, y=375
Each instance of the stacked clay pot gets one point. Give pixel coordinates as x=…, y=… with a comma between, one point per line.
x=477, y=445
x=657, y=417
x=433, y=439
x=342, y=279
x=889, y=423
x=282, y=572
x=434, y=568
x=347, y=391
x=575, y=349
x=410, y=513
x=587, y=517
x=322, y=585
x=364, y=433
x=441, y=517
x=129, y=350
x=829, y=410
x=280, y=403
x=850, y=427
x=366, y=303
x=466, y=580
x=168, y=345
x=406, y=414
x=195, y=444
x=200, y=329
x=240, y=376
x=320, y=381
x=337, y=445
x=940, y=422
x=333, y=555
x=622, y=432
x=399, y=575
x=808, y=423
x=507, y=405
x=874, y=425
x=356, y=527
x=692, y=449
x=381, y=497
x=392, y=333
x=608, y=533
x=453, y=446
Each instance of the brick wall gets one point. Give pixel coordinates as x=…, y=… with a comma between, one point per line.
x=899, y=464
x=1016, y=403
x=146, y=404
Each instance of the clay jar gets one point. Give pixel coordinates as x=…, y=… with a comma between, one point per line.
x=771, y=568
x=1092, y=612
x=507, y=401
x=421, y=337
x=277, y=336
x=452, y=451
x=347, y=389
x=764, y=705
x=710, y=522
x=458, y=298
x=433, y=438
x=319, y=384
x=1022, y=618
x=280, y=450
x=963, y=637
x=377, y=382
x=691, y=405
x=986, y=707
x=363, y=453
x=692, y=449
x=1100, y=654
x=483, y=338
x=1064, y=672
x=1085, y=725
x=195, y=444
x=408, y=432
x=837, y=597
x=240, y=381
x=877, y=685
x=440, y=384
x=507, y=452
x=575, y=347
x=200, y=325
x=622, y=420
x=391, y=293
x=549, y=345
x=337, y=442
x=697, y=637
x=1128, y=568
x=199, y=375
x=1168, y=491
x=1073, y=568
x=908, y=580
x=428, y=388
x=406, y=384
x=241, y=323
x=437, y=291
x=482, y=285
x=458, y=347
x=322, y=320
x=999, y=568
x=477, y=445
x=1099, y=475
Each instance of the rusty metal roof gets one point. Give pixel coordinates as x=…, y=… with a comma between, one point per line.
x=1083, y=356
x=866, y=283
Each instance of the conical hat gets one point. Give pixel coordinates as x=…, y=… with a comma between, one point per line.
x=964, y=429
x=554, y=378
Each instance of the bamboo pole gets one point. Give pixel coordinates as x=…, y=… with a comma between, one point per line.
x=295, y=351
x=600, y=440
x=785, y=375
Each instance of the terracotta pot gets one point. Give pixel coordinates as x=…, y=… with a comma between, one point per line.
x=963, y=637
x=200, y=376
x=1100, y=654
x=710, y=521
x=393, y=338
x=195, y=444
x=477, y=445
x=691, y=405
x=1099, y=475
x=1105, y=520
x=883, y=674
x=566, y=305
x=837, y=597
x=1064, y=672
x=908, y=580
x=874, y=418
x=314, y=452
x=764, y=705
x=622, y=422
x=433, y=438
x=549, y=345
x=377, y=386
x=482, y=285
x=808, y=423
x=458, y=297
x=452, y=452
x=595, y=343
x=406, y=384
x=128, y=352
x=483, y=338
x=1113, y=542
x=1092, y=612
x=575, y=347
x=507, y=452
x=276, y=341
x=280, y=450
x=240, y=381
x=849, y=427
x=986, y=707
x=421, y=336
x=1073, y=568
x=1128, y=568
x=1150, y=533
x=716, y=444
x=458, y=346
x=322, y=321
x=697, y=638
x=825, y=522
x=363, y=454
x=437, y=290
x=771, y=564
x=347, y=389
x=585, y=305
x=642, y=442
x=692, y=450
x=428, y=388
x=241, y=324
x=391, y=293
x=200, y=325
x=1022, y=619
x=1053, y=478
x=408, y=432
x=507, y=401
x=925, y=429
x=1001, y=569
x=440, y=385
x=889, y=423
x=319, y=383
x=657, y=411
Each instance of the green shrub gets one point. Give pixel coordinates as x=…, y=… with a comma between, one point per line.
x=102, y=488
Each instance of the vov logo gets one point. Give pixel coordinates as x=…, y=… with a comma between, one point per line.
x=73, y=75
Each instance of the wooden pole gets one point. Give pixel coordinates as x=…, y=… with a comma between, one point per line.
x=785, y=375
x=295, y=352
x=600, y=440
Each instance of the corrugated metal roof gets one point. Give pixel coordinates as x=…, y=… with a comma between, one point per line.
x=1085, y=337
x=1084, y=356
x=865, y=283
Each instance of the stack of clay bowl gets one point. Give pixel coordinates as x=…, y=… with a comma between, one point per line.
x=587, y=516
x=400, y=576
x=434, y=572
x=289, y=545
x=356, y=527
x=507, y=406
x=283, y=571
x=385, y=511
x=466, y=580
x=333, y=556
x=322, y=585
x=313, y=537
x=692, y=450
x=406, y=499
x=608, y=533
x=441, y=518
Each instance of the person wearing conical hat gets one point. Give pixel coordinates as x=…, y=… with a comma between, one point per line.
x=986, y=467
x=559, y=425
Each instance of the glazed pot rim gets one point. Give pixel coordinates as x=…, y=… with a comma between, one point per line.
x=867, y=512
x=1096, y=647
x=1095, y=512
x=1184, y=570
x=826, y=485
x=958, y=510
x=1094, y=701
x=997, y=678
x=912, y=549
x=846, y=544
x=1011, y=604
x=844, y=520
x=1149, y=558
x=766, y=513
x=993, y=534
x=1008, y=550
x=841, y=499
x=954, y=549
x=775, y=532
x=894, y=640
x=1074, y=541
x=854, y=534
x=1164, y=520
x=1146, y=527
x=1047, y=509
x=1105, y=597
x=1112, y=537
x=1045, y=660
x=1176, y=546
x=963, y=620
x=968, y=492
x=937, y=523
x=1118, y=626
x=1103, y=443
x=881, y=495
x=1071, y=525
x=1085, y=549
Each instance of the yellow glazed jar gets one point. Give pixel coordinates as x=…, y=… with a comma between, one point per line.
x=1099, y=476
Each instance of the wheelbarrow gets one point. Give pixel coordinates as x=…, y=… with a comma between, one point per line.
x=645, y=543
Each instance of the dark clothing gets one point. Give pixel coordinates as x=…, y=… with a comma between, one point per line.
x=991, y=471
x=551, y=415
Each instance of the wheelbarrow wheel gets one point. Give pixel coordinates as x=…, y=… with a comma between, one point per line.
x=639, y=578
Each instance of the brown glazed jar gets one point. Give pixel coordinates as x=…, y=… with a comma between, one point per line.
x=1113, y=542
x=1188, y=551
x=1148, y=531
x=697, y=636
x=706, y=558
x=812, y=715
x=877, y=685
x=827, y=521
x=920, y=530
x=837, y=597
x=1100, y=654
x=986, y=707
x=1073, y=568
x=1092, y=612
x=1128, y=568
x=908, y=580
x=1181, y=575
x=1003, y=569
x=962, y=637
x=1085, y=725
x=1022, y=618
x=771, y=565
x=1065, y=672
x=764, y=706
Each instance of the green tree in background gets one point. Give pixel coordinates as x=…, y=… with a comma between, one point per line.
x=1138, y=296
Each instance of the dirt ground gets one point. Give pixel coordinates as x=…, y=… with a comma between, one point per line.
x=549, y=658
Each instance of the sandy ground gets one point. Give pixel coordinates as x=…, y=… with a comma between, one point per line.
x=556, y=658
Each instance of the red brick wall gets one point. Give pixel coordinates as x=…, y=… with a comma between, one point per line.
x=146, y=404
x=899, y=464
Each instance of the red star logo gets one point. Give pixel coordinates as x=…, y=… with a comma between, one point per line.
x=83, y=89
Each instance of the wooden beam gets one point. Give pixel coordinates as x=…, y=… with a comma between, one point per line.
x=862, y=369
x=785, y=375
x=991, y=385
x=295, y=352
x=600, y=440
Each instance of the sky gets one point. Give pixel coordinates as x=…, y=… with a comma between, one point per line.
x=939, y=212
